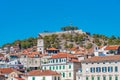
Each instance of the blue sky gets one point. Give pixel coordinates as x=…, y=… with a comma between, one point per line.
x=20, y=19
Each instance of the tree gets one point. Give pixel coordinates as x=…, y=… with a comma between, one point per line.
x=69, y=28
x=70, y=46
x=89, y=45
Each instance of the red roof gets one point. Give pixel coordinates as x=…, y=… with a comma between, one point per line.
x=74, y=60
x=102, y=58
x=19, y=78
x=42, y=72
x=63, y=55
x=52, y=49
x=6, y=70
x=113, y=47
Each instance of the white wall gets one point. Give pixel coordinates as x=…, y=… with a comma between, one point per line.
x=40, y=77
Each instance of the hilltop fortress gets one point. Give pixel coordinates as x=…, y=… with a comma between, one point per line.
x=62, y=32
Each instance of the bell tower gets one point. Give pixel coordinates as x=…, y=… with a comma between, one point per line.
x=40, y=45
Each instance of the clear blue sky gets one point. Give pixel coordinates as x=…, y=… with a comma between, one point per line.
x=20, y=19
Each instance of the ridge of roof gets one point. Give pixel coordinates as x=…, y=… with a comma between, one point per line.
x=102, y=58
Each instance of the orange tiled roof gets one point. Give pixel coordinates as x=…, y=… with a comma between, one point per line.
x=74, y=60
x=52, y=49
x=63, y=55
x=100, y=47
x=19, y=78
x=73, y=49
x=102, y=58
x=6, y=70
x=115, y=47
x=42, y=72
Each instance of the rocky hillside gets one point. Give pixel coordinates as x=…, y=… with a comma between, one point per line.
x=68, y=40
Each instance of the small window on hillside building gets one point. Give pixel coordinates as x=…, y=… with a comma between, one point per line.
x=44, y=78
x=55, y=78
x=69, y=66
x=116, y=69
x=33, y=78
x=87, y=78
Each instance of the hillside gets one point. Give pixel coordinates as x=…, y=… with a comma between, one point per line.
x=68, y=40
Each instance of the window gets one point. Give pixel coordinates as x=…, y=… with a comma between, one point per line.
x=110, y=77
x=87, y=78
x=69, y=74
x=116, y=69
x=33, y=78
x=60, y=60
x=50, y=68
x=58, y=78
x=53, y=68
x=92, y=77
x=63, y=74
x=69, y=66
x=59, y=67
x=98, y=69
x=56, y=67
x=104, y=69
x=53, y=61
x=64, y=60
x=55, y=78
x=104, y=77
x=44, y=68
x=110, y=69
x=56, y=60
x=116, y=77
x=44, y=78
x=98, y=78
x=92, y=69
x=63, y=67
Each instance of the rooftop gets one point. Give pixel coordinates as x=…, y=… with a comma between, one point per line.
x=63, y=55
x=42, y=72
x=102, y=59
x=112, y=47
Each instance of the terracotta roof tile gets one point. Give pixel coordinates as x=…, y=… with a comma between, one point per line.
x=74, y=60
x=112, y=47
x=19, y=78
x=52, y=49
x=6, y=70
x=42, y=72
x=63, y=55
x=102, y=58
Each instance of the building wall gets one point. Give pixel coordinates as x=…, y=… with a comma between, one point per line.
x=87, y=73
x=41, y=77
x=67, y=69
x=30, y=62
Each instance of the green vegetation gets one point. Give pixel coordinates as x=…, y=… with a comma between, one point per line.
x=69, y=28
x=68, y=40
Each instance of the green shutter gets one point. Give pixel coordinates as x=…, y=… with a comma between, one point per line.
x=69, y=74
x=92, y=77
x=56, y=67
x=110, y=77
x=69, y=66
x=116, y=77
x=63, y=67
x=98, y=78
x=87, y=78
x=33, y=78
x=63, y=74
x=50, y=68
x=59, y=67
x=44, y=78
